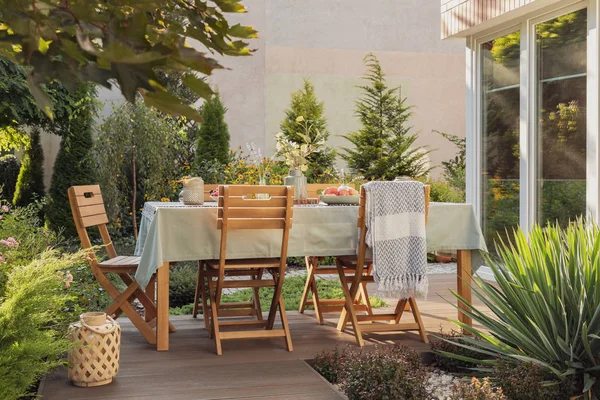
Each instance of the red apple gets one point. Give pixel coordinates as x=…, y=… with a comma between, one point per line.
x=344, y=190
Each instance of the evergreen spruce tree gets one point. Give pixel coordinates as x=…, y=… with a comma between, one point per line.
x=306, y=104
x=384, y=146
x=213, y=136
x=74, y=164
x=30, y=184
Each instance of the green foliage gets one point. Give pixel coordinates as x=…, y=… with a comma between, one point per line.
x=544, y=304
x=455, y=169
x=32, y=321
x=213, y=137
x=9, y=172
x=18, y=109
x=373, y=374
x=131, y=148
x=123, y=42
x=451, y=343
x=74, y=164
x=441, y=191
x=35, y=303
x=30, y=184
x=384, y=146
x=292, y=291
x=527, y=381
x=477, y=390
x=306, y=104
x=182, y=284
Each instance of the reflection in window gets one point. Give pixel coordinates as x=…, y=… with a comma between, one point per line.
x=561, y=114
x=500, y=77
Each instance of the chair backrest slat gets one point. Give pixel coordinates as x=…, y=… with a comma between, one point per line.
x=254, y=207
x=87, y=207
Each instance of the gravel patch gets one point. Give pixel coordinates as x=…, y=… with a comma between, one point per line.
x=440, y=384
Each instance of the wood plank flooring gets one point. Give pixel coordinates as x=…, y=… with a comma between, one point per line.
x=248, y=369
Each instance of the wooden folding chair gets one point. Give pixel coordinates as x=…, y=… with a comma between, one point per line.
x=358, y=263
x=238, y=209
x=313, y=269
x=88, y=210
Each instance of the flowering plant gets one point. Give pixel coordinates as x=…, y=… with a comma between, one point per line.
x=295, y=154
x=261, y=163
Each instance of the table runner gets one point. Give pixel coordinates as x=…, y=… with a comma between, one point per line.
x=172, y=232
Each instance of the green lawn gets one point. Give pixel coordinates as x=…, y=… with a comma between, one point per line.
x=292, y=291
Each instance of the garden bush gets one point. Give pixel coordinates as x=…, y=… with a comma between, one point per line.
x=384, y=148
x=9, y=172
x=546, y=296
x=213, y=136
x=374, y=374
x=183, y=280
x=37, y=300
x=30, y=183
x=527, y=381
x=305, y=104
x=451, y=343
x=477, y=390
x=74, y=164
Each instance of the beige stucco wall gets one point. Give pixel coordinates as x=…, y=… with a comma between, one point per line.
x=326, y=41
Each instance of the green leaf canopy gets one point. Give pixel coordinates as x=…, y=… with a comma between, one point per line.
x=126, y=42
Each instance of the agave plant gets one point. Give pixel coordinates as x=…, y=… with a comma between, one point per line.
x=545, y=304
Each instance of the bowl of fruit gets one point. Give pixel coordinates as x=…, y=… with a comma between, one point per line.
x=214, y=194
x=340, y=195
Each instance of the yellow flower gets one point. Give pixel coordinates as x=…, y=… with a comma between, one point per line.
x=164, y=200
x=300, y=119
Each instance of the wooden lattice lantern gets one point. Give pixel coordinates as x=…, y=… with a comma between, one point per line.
x=94, y=360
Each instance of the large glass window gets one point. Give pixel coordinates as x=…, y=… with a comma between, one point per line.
x=500, y=77
x=560, y=57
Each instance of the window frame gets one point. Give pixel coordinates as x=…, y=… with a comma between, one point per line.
x=528, y=108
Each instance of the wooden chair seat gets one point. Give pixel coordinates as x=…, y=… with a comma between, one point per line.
x=351, y=261
x=242, y=264
x=120, y=264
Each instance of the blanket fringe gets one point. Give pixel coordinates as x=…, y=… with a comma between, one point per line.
x=403, y=287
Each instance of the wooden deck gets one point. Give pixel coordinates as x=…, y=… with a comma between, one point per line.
x=248, y=369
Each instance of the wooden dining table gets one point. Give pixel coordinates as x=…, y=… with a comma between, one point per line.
x=173, y=232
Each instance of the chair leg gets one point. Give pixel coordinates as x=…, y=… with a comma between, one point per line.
x=215, y=323
x=285, y=325
x=349, y=306
x=308, y=284
x=364, y=295
x=316, y=302
x=204, y=290
x=418, y=320
x=256, y=296
x=198, y=291
x=400, y=308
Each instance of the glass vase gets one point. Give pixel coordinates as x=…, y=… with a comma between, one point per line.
x=297, y=179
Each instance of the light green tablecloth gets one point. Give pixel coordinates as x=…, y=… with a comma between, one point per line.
x=174, y=232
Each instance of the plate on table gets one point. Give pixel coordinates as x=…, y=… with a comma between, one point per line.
x=340, y=199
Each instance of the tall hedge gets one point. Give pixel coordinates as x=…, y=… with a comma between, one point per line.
x=9, y=173
x=30, y=183
x=213, y=137
x=74, y=165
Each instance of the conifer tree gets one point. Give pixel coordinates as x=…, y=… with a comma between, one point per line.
x=306, y=104
x=30, y=184
x=384, y=146
x=74, y=163
x=213, y=136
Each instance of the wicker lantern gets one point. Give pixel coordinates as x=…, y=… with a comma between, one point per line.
x=94, y=360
